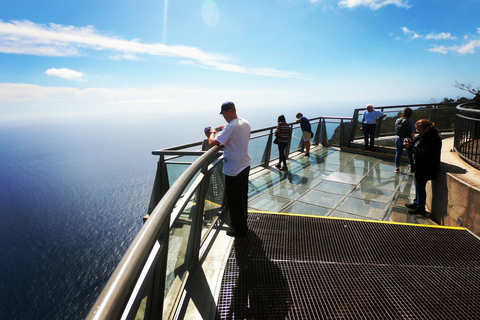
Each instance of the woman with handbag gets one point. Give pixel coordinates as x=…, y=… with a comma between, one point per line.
x=282, y=134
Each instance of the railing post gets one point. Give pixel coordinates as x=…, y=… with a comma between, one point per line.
x=155, y=300
x=379, y=126
x=433, y=113
x=268, y=150
x=324, y=132
x=341, y=133
x=160, y=184
x=200, y=211
x=354, y=125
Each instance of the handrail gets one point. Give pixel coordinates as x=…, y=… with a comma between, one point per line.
x=116, y=293
x=461, y=107
x=467, y=133
x=429, y=111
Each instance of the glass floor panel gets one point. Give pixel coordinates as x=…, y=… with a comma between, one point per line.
x=336, y=184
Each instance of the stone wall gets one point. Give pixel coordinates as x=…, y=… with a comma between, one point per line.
x=454, y=197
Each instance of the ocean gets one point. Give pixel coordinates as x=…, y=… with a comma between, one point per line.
x=72, y=198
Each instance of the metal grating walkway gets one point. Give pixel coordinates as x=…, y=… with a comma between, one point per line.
x=300, y=267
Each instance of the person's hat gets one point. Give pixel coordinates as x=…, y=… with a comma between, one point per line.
x=207, y=129
x=227, y=106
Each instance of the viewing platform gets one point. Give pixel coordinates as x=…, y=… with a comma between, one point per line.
x=329, y=238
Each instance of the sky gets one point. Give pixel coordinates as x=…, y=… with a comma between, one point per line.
x=180, y=58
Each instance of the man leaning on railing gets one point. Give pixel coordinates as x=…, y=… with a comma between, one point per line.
x=235, y=137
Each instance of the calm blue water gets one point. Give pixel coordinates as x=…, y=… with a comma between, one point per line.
x=72, y=198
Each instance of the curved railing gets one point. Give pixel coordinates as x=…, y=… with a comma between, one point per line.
x=467, y=133
x=186, y=204
x=148, y=281
x=139, y=277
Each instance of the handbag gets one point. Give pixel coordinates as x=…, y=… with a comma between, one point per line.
x=276, y=140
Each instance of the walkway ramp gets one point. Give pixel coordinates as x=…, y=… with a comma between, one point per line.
x=304, y=267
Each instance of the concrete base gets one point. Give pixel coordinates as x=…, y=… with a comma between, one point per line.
x=454, y=197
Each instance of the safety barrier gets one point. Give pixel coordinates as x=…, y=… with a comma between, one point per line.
x=467, y=133
x=185, y=205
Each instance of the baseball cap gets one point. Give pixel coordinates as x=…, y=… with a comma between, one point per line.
x=227, y=106
x=207, y=129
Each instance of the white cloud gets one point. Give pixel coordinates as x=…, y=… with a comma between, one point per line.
x=26, y=37
x=462, y=49
x=469, y=47
x=430, y=36
x=411, y=33
x=66, y=74
x=440, y=36
x=439, y=49
x=142, y=101
x=373, y=4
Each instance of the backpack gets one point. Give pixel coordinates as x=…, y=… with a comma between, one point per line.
x=402, y=128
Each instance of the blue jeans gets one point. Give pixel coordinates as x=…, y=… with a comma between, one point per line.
x=420, y=193
x=281, y=153
x=398, y=154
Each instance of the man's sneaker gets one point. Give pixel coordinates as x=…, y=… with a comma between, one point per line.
x=411, y=205
x=232, y=233
x=417, y=211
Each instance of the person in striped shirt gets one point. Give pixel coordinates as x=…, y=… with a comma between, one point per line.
x=283, y=135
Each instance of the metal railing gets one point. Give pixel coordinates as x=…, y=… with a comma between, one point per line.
x=467, y=133
x=149, y=280
x=442, y=114
x=187, y=202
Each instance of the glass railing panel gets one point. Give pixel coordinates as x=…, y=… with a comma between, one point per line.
x=445, y=118
x=422, y=113
x=143, y=305
x=387, y=128
x=314, y=126
x=213, y=198
x=297, y=135
x=333, y=132
x=180, y=246
x=174, y=171
x=256, y=149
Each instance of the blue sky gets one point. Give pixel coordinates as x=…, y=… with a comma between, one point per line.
x=79, y=59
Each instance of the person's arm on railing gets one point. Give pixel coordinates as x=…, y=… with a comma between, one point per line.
x=212, y=141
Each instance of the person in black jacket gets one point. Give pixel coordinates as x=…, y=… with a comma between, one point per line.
x=426, y=150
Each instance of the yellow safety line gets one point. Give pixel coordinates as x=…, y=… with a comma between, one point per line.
x=214, y=203
x=352, y=219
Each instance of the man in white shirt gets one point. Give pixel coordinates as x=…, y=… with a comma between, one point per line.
x=235, y=137
x=369, y=125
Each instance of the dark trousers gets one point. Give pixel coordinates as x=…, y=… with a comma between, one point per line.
x=236, y=189
x=281, y=153
x=369, y=132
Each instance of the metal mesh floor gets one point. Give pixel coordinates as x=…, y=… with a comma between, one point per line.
x=296, y=267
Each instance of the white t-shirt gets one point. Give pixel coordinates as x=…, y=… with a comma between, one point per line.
x=235, y=137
